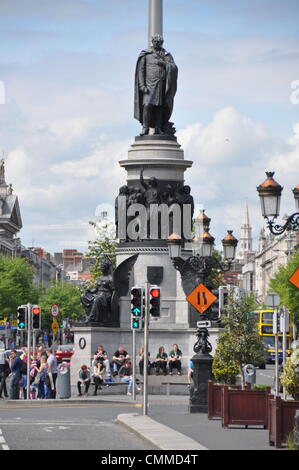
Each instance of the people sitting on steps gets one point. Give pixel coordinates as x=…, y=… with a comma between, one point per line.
x=119, y=359
x=161, y=361
x=174, y=360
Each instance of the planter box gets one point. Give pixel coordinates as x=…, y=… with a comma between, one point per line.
x=215, y=398
x=245, y=407
x=281, y=420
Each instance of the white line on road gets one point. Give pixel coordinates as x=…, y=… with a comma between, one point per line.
x=2, y=441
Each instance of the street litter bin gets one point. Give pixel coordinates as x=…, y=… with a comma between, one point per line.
x=63, y=383
x=250, y=374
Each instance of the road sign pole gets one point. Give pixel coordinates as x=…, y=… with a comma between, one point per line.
x=275, y=331
x=29, y=320
x=134, y=364
x=145, y=357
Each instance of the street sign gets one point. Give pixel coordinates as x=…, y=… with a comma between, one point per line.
x=54, y=310
x=203, y=324
x=272, y=300
x=201, y=298
x=55, y=326
x=294, y=279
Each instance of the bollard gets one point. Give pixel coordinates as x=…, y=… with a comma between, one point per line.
x=63, y=385
x=250, y=374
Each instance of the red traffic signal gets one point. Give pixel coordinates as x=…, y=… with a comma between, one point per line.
x=155, y=293
x=155, y=301
x=36, y=310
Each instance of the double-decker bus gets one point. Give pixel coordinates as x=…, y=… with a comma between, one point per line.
x=264, y=319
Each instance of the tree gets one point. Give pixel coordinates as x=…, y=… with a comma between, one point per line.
x=67, y=297
x=105, y=244
x=239, y=344
x=16, y=284
x=289, y=294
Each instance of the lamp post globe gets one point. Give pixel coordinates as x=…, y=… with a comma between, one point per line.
x=296, y=197
x=270, y=194
x=229, y=244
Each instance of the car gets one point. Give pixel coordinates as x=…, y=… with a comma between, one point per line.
x=64, y=352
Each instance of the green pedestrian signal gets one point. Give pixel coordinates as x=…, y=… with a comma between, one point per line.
x=137, y=307
x=22, y=317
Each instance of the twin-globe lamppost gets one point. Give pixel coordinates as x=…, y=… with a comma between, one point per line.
x=270, y=195
x=196, y=270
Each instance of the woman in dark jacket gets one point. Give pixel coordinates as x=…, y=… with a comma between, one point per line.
x=4, y=373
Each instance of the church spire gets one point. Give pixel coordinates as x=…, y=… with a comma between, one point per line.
x=246, y=235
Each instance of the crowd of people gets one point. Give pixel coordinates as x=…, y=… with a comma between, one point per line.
x=42, y=374
x=43, y=371
x=104, y=368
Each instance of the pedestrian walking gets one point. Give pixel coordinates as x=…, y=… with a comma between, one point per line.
x=4, y=373
x=52, y=373
x=16, y=365
x=41, y=378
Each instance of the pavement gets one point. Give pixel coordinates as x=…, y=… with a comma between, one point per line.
x=168, y=425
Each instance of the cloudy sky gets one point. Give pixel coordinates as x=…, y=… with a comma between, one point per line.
x=68, y=69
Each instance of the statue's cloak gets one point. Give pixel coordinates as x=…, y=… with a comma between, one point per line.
x=170, y=89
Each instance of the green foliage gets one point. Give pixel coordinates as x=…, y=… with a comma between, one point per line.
x=290, y=377
x=16, y=284
x=67, y=296
x=291, y=441
x=240, y=344
x=105, y=243
x=260, y=387
x=289, y=294
x=224, y=371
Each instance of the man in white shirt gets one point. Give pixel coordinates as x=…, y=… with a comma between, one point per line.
x=52, y=373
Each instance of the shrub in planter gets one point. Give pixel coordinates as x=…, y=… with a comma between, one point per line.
x=290, y=377
x=225, y=372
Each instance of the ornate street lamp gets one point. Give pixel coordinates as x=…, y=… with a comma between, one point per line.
x=270, y=195
x=197, y=270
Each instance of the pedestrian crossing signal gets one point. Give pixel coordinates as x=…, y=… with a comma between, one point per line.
x=137, y=307
x=22, y=318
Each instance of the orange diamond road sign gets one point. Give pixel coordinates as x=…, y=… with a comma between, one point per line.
x=201, y=298
x=294, y=279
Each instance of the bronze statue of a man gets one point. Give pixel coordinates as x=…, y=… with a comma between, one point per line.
x=155, y=88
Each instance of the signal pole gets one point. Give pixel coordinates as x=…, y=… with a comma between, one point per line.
x=145, y=357
x=134, y=364
x=28, y=349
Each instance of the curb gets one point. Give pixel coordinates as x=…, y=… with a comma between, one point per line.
x=159, y=435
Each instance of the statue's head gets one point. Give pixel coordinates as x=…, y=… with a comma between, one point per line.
x=105, y=266
x=187, y=189
x=157, y=41
x=123, y=190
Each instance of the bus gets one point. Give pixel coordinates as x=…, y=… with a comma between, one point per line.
x=264, y=319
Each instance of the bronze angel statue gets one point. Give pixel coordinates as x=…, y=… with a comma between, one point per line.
x=101, y=303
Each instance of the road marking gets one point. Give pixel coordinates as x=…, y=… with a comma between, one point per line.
x=2, y=441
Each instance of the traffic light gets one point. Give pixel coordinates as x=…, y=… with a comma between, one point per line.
x=214, y=310
x=22, y=317
x=36, y=317
x=223, y=297
x=137, y=307
x=155, y=301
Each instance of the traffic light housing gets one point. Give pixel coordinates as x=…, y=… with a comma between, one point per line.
x=155, y=301
x=36, y=317
x=214, y=310
x=22, y=317
x=137, y=307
